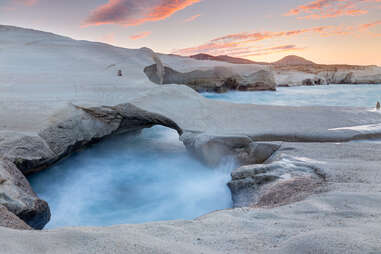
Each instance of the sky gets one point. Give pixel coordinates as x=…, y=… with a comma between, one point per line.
x=324, y=31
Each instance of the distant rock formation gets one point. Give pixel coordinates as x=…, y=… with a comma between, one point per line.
x=288, y=60
x=298, y=75
x=314, y=82
x=218, y=79
x=378, y=106
x=293, y=60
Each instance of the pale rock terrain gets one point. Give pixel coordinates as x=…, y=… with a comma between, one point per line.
x=298, y=75
x=58, y=95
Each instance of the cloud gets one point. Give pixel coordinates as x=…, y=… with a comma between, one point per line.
x=133, y=12
x=246, y=44
x=242, y=43
x=11, y=5
x=190, y=19
x=140, y=35
x=26, y=2
x=273, y=50
x=321, y=9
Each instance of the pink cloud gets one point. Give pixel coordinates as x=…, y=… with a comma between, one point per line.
x=140, y=35
x=132, y=12
x=190, y=19
x=321, y=9
x=11, y=5
x=26, y=2
x=244, y=44
x=273, y=50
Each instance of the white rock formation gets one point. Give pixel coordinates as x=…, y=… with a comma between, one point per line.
x=58, y=95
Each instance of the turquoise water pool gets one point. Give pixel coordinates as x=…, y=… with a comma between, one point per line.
x=151, y=177
x=332, y=95
x=132, y=179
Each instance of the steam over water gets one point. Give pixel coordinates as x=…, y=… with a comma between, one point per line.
x=132, y=179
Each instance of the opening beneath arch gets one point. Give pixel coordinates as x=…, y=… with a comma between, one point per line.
x=130, y=179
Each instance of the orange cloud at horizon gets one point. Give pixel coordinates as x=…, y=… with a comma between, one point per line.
x=26, y=2
x=321, y=9
x=243, y=44
x=140, y=35
x=190, y=19
x=132, y=12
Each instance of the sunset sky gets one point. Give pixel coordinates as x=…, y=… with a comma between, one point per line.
x=324, y=31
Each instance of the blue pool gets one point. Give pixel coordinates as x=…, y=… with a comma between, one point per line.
x=132, y=179
x=151, y=177
x=332, y=95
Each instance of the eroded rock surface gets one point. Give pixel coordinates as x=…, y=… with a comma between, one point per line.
x=17, y=197
x=277, y=183
x=10, y=220
x=297, y=75
x=212, y=150
x=218, y=79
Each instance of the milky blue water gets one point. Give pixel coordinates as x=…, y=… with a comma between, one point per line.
x=132, y=179
x=332, y=95
x=151, y=177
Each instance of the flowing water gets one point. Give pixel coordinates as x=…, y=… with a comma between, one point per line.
x=151, y=177
x=132, y=179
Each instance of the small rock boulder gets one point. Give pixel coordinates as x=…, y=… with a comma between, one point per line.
x=212, y=150
x=273, y=184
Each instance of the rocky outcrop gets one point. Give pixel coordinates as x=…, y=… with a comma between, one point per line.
x=258, y=81
x=277, y=183
x=314, y=82
x=82, y=127
x=17, y=197
x=344, y=219
x=306, y=75
x=77, y=128
x=218, y=79
x=160, y=70
x=213, y=150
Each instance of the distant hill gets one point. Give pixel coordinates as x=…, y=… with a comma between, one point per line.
x=293, y=60
x=224, y=58
x=288, y=60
